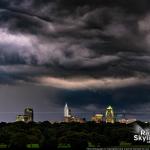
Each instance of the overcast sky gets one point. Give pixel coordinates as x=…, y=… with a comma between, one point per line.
x=88, y=53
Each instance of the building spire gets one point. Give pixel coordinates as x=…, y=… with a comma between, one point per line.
x=66, y=105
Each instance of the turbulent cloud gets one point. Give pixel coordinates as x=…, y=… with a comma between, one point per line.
x=94, y=39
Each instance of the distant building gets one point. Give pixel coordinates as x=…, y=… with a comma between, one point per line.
x=27, y=117
x=67, y=119
x=131, y=121
x=68, y=116
x=109, y=115
x=67, y=111
x=29, y=112
x=98, y=118
x=127, y=121
x=124, y=121
x=22, y=118
x=74, y=119
x=79, y=120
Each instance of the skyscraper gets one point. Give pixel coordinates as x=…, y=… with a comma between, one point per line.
x=109, y=115
x=67, y=111
x=29, y=112
x=68, y=117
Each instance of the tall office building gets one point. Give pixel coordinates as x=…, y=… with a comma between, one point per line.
x=109, y=115
x=29, y=112
x=67, y=111
x=68, y=117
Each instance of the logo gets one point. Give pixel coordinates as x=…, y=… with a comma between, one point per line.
x=142, y=135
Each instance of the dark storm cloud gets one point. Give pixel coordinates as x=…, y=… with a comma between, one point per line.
x=119, y=98
x=100, y=35
x=77, y=45
x=96, y=101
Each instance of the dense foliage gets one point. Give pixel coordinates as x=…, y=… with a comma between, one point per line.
x=59, y=135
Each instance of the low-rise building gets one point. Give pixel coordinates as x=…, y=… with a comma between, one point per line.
x=23, y=118
x=98, y=118
x=27, y=116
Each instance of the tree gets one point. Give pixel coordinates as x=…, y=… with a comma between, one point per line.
x=18, y=141
x=75, y=139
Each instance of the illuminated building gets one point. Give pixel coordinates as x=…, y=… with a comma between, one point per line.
x=68, y=116
x=74, y=119
x=67, y=111
x=109, y=115
x=97, y=118
x=131, y=121
x=22, y=118
x=124, y=121
x=29, y=112
x=77, y=119
x=127, y=121
x=27, y=117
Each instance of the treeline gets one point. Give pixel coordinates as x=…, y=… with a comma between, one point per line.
x=65, y=135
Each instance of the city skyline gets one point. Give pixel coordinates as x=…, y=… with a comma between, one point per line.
x=90, y=53
x=111, y=115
